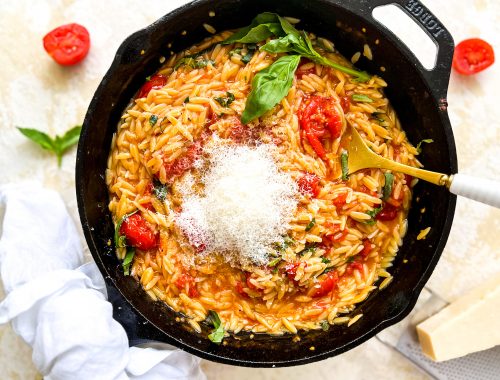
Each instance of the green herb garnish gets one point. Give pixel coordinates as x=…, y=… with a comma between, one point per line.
x=153, y=119
x=148, y=78
x=120, y=239
x=251, y=49
x=376, y=116
x=373, y=213
x=160, y=190
x=58, y=145
x=195, y=61
x=419, y=145
x=127, y=261
x=217, y=334
x=324, y=260
x=269, y=86
x=345, y=166
x=325, y=326
x=289, y=40
x=387, y=190
x=274, y=262
x=311, y=224
x=225, y=101
x=361, y=98
x=308, y=248
x=186, y=100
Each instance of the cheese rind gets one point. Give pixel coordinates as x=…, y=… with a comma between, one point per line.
x=470, y=324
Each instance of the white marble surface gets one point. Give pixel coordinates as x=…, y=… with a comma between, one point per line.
x=37, y=93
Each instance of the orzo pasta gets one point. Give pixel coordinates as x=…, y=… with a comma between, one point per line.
x=252, y=220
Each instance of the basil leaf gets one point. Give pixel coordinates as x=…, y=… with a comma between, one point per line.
x=217, y=334
x=389, y=180
x=373, y=213
x=361, y=98
x=325, y=326
x=308, y=248
x=120, y=239
x=251, y=49
x=253, y=33
x=152, y=120
x=127, y=261
x=195, y=61
x=345, y=166
x=58, y=145
x=311, y=224
x=186, y=100
x=160, y=190
x=269, y=86
x=419, y=145
x=324, y=260
x=225, y=101
x=376, y=116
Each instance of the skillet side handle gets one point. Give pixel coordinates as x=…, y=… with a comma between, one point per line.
x=438, y=78
x=479, y=189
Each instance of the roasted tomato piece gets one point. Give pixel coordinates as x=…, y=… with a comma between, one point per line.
x=138, y=233
x=303, y=69
x=309, y=184
x=334, y=233
x=291, y=270
x=156, y=82
x=327, y=284
x=184, y=281
x=340, y=200
x=355, y=265
x=184, y=163
x=389, y=212
x=318, y=114
x=367, y=248
x=67, y=44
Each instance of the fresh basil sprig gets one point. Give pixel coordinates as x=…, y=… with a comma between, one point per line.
x=419, y=145
x=289, y=40
x=58, y=145
x=217, y=334
x=269, y=86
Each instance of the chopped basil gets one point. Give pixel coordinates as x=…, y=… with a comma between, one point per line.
x=324, y=260
x=127, y=261
x=217, y=334
x=345, y=166
x=153, y=119
x=274, y=262
x=361, y=98
x=373, y=213
x=148, y=78
x=387, y=190
x=225, y=101
x=325, y=326
x=195, y=61
x=120, y=239
x=57, y=145
x=350, y=259
x=311, y=224
x=376, y=116
x=160, y=190
x=308, y=248
x=327, y=270
x=287, y=241
x=186, y=100
x=251, y=49
x=419, y=145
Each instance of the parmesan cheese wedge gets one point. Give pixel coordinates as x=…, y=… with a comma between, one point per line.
x=470, y=324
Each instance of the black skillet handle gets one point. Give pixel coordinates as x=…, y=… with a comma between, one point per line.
x=438, y=78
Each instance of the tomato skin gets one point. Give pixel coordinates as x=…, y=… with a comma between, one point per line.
x=318, y=114
x=345, y=102
x=309, y=184
x=156, y=82
x=367, y=248
x=389, y=212
x=340, y=200
x=186, y=279
x=291, y=270
x=67, y=44
x=472, y=56
x=327, y=284
x=138, y=233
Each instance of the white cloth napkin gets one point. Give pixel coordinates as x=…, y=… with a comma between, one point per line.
x=62, y=312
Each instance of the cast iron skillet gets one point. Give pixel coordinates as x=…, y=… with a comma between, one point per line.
x=419, y=97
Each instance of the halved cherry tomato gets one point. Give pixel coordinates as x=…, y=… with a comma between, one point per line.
x=316, y=115
x=138, y=233
x=389, y=212
x=156, y=82
x=326, y=285
x=67, y=44
x=473, y=55
x=309, y=184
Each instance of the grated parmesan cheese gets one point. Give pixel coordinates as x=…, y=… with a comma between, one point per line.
x=246, y=206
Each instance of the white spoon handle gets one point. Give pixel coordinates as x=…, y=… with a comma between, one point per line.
x=479, y=189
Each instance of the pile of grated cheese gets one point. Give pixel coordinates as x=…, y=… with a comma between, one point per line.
x=247, y=204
